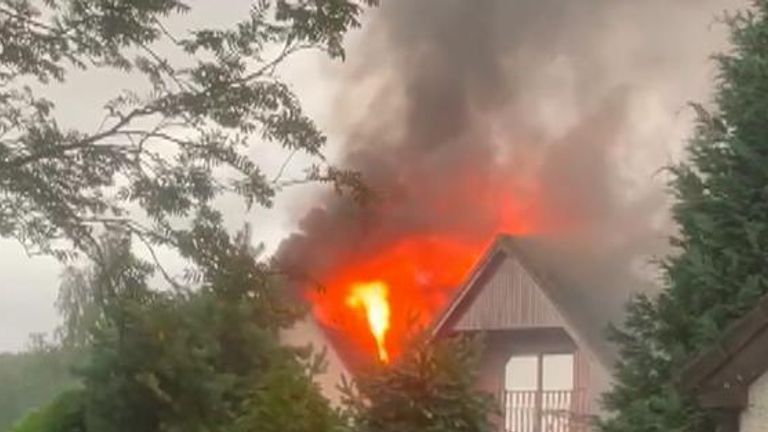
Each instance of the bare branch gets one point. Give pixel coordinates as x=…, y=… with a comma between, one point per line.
x=280, y=172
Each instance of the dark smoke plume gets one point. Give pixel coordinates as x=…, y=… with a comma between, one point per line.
x=575, y=105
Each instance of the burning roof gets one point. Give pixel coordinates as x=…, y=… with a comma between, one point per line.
x=561, y=289
x=360, y=341
x=537, y=118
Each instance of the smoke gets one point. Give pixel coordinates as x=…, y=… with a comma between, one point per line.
x=543, y=117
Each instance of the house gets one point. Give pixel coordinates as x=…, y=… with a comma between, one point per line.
x=308, y=332
x=731, y=378
x=544, y=356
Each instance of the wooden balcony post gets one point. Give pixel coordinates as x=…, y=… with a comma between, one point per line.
x=539, y=387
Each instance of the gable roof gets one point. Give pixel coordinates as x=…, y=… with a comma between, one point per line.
x=582, y=328
x=721, y=375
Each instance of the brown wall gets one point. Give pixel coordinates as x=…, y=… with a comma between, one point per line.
x=508, y=298
x=307, y=332
x=500, y=345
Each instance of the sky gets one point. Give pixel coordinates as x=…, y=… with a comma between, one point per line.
x=337, y=95
x=29, y=285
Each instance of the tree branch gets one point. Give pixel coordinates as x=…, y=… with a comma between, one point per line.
x=58, y=150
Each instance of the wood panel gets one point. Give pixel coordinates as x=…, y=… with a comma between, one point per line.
x=581, y=378
x=509, y=298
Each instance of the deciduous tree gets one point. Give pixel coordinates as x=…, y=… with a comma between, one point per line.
x=167, y=150
x=208, y=359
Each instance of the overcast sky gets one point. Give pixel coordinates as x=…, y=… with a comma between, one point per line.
x=28, y=286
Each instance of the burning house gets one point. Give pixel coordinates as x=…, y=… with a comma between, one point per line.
x=541, y=119
x=543, y=358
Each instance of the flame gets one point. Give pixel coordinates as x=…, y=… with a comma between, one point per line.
x=395, y=283
x=373, y=298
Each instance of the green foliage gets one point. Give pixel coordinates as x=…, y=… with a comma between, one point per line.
x=722, y=210
x=64, y=414
x=170, y=150
x=32, y=379
x=286, y=401
x=644, y=397
x=203, y=355
x=430, y=389
x=202, y=360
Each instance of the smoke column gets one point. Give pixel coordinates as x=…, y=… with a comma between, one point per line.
x=544, y=117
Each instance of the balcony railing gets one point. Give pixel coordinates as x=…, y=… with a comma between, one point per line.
x=545, y=411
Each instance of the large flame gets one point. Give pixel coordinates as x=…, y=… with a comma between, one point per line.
x=372, y=297
x=396, y=287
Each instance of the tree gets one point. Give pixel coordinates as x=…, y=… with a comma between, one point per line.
x=430, y=388
x=199, y=360
x=162, y=154
x=205, y=354
x=33, y=378
x=64, y=414
x=722, y=211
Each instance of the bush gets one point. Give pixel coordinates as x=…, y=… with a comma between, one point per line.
x=65, y=414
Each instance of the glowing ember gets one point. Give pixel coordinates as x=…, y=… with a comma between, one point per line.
x=373, y=298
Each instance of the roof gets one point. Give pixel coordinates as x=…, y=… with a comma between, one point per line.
x=309, y=332
x=559, y=288
x=720, y=376
x=353, y=357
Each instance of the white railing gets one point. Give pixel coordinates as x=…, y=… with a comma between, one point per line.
x=545, y=411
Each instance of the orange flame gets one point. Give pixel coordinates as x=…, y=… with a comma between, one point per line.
x=395, y=285
x=373, y=298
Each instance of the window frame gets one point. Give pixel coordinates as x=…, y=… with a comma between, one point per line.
x=540, y=369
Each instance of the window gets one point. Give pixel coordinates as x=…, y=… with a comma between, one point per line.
x=539, y=393
x=557, y=372
x=522, y=372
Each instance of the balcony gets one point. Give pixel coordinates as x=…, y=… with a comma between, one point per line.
x=545, y=411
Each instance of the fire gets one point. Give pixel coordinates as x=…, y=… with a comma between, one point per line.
x=400, y=286
x=373, y=298
x=393, y=284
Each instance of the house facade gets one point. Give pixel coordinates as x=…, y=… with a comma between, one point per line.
x=731, y=378
x=308, y=332
x=540, y=359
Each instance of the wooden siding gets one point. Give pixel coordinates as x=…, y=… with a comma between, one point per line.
x=582, y=379
x=501, y=345
x=509, y=299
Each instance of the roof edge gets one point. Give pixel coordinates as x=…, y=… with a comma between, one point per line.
x=464, y=288
x=507, y=244
x=731, y=343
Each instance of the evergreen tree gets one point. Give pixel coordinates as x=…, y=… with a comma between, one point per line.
x=719, y=270
x=431, y=388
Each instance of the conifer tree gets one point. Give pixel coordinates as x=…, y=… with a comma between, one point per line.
x=431, y=388
x=719, y=268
